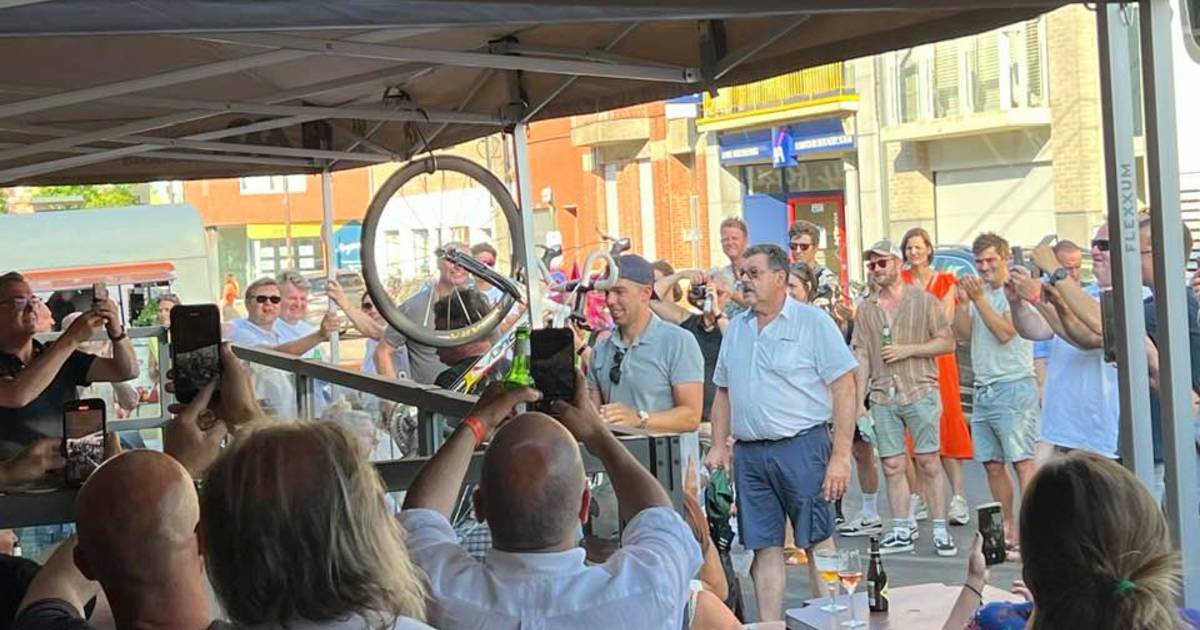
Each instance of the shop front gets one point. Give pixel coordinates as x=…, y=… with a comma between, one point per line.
x=790, y=173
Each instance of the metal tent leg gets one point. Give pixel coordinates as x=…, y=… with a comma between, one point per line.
x=1162, y=158
x=1136, y=447
x=524, y=188
x=327, y=244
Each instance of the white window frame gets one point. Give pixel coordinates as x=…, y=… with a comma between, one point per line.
x=272, y=184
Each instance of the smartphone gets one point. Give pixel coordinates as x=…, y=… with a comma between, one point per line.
x=552, y=361
x=83, y=438
x=991, y=526
x=99, y=292
x=1108, y=322
x=195, y=348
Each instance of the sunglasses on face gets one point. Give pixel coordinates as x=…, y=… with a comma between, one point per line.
x=1100, y=245
x=263, y=299
x=614, y=372
x=878, y=264
x=801, y=247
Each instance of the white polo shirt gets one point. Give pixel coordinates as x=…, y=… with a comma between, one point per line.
x=276, y=389
x=645, y=584
x=778, y=378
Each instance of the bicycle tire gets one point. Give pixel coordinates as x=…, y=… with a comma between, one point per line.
x=376, y=288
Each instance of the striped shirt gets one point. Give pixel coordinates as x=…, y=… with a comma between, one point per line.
x=918, y=319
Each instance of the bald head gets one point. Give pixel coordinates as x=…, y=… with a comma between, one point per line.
x=531, y=490
x=137, y=517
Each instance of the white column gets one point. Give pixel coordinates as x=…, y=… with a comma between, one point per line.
x=612, y=209
x=327, y=246
x=852, y=209
x=525, y=194
x=646, y=193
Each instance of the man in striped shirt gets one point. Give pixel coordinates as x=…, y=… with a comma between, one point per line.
x=898, y=332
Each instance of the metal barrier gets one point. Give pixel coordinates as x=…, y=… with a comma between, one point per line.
x=659, y=453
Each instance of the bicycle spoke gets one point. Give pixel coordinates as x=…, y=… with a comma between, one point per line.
x=458, y=294
x=429, y=306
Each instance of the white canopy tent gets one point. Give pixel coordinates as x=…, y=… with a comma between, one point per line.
x=125, y=90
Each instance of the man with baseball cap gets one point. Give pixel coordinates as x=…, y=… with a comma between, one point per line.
x=898, y=332
x=649, y=374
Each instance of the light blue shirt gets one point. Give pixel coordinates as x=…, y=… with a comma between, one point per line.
x=663, y=356
x=291, y=332
x=275, y=389
x=996, y=362
x=778, y=378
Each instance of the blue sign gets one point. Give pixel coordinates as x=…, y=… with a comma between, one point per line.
x=347, y=246
x=783, y=146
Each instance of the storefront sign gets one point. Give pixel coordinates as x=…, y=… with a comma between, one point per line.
x=784, y=146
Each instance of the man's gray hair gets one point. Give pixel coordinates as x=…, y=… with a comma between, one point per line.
x=777, y=259
x=294, y=278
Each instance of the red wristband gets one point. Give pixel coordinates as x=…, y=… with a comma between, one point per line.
x=476, y=426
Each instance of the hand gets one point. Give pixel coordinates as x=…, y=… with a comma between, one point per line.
x=330, y=324
x=186, y=439
x=1043, y=257
x=1024, y=285
x=336, y=293
x=861, y=412
x=837, y=476
x=234, y=402
x=619, y=414
x=977, y=572
x=498, y=403
x=1019, y=588
x=112, y=316
x=41, y=463
x=972, y=286
x=694, y=276
x=691, y=479
x=580, y=416
x=84, y=326
x=1053, y=296
x=844, y=312
x=896, y=353
x=718, y=457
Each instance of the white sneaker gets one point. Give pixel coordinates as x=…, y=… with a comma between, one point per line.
x=943, y=544
x=861, y=526
x=960, y=513
x=897, y=541
x=922, y=511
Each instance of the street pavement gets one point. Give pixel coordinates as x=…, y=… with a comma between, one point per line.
x=919, y=567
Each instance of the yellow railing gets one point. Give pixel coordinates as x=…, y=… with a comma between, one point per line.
x=795, y=88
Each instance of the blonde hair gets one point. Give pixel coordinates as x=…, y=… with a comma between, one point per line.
x=296, y=527
x=1096, y=549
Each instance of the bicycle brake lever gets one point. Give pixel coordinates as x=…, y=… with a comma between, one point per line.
x=480, y=270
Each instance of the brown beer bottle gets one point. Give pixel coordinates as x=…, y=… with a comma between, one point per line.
x=877, y=581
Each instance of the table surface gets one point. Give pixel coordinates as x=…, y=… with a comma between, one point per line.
x=918, y=607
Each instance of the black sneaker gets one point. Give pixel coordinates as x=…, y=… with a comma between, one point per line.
x=896, y=541
x=943, y=544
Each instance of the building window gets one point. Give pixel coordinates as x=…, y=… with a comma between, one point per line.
x=812, y=176
x=762, y=179
x=421, y=250
x=460, y=234
x=273, y=184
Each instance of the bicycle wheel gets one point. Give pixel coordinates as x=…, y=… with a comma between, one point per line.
x=423, y=207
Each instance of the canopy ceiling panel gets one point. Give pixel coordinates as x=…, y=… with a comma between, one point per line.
x=110, y=90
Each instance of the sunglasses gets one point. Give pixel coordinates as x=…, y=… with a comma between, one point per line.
x=614, y=372
x=803, y=247
x=263, y=299
x=1100, y=245
x=22, y=302
x=878, y=264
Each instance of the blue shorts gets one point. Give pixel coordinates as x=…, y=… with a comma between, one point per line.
x=1004, y=423
x=781, y=479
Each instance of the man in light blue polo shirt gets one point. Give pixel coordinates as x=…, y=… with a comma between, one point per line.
x=648, y=374
x=783, y=373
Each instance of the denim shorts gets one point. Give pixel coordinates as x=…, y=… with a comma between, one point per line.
x=922, y=418
x=1004, y=424
x=780, y=479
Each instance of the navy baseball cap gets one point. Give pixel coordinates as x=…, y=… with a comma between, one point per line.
x=634, y=268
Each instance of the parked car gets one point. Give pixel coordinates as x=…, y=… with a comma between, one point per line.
x=318, y=301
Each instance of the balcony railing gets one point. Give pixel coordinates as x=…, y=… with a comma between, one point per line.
x=795, y=89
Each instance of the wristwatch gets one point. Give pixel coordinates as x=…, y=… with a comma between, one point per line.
x=644, y=418
x=1059, y=274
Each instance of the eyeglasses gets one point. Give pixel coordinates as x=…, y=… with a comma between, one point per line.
x=263, y=299
x=803, y=247
x=878, y=264
x=752, y=273
x=22, y=302
x=1100, y=245
x=614, y=372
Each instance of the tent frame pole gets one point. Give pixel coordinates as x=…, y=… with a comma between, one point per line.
x=524, y=189
x=1175, y=383
x=327, y=243
x=1136, y=446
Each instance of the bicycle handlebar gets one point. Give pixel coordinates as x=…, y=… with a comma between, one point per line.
x=491, y=276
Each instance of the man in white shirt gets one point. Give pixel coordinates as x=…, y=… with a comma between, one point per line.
x=533, y=495
x=783, y=373
x=275, y=388
x=292, y=323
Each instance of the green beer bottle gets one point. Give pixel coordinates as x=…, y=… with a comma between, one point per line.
x=887, y=336
x=519, y=373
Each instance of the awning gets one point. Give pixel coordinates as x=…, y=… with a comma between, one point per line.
x=112, y=90
x=63, y=278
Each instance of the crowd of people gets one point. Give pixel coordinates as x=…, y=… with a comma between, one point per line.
x=767, y=368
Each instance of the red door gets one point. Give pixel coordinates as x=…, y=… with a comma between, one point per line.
x=827, y=211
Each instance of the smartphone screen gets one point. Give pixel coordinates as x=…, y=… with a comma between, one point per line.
x=991, y=525
x=83, y=438
x=552, y=361
x=195, y=348
x=99, y=292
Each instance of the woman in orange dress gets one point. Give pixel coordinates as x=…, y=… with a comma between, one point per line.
x=917, y=248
